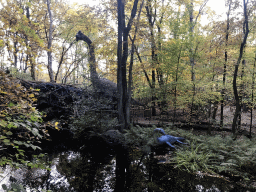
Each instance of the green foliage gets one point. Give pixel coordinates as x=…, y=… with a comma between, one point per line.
x=193, y=159
x=217, y=154
x=210, y=154
x=21, y=75
x=140, y=137
x=94, y=116
x=19, y=122
x=14, y=187
x=94, y=122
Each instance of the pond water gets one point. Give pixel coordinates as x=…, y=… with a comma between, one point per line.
x=71, y=171
x=57, y=178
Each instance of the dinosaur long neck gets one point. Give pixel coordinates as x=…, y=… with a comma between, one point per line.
x=92, y=60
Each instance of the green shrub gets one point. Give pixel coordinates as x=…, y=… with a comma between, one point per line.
x=20, y=122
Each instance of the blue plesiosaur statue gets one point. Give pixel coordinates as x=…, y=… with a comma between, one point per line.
x=168, y=139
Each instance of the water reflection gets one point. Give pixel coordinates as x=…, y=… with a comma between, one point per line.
x=73, y=171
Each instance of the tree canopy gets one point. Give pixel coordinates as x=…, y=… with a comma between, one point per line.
x=177, y=62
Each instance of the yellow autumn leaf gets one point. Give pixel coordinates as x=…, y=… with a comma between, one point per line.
x=33, y=109
x=56, y=125
x=34, y=99
x=3, y=92
x=31, y=95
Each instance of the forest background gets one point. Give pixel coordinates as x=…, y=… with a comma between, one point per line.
x=178, y=63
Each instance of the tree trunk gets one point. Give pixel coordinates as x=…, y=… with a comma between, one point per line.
x=144, y=71
x=175, y=88
x=150, y=171
x=122, y=55
x=129, y=90
x=252, y=99
x=120, y=165
x=33, y=68
x=29, y=57
x=192, y=23
x=153, y=91
x=224, y=69
x=154, y=57
x=241, y=95
x=121, y=25
x=49, y=52
x=123, y=105
x=64, y=51
x=16, y=50
x=242, y=46
x=191, y=55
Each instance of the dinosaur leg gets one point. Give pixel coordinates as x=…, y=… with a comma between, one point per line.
x=170, y=145
x=182, y=143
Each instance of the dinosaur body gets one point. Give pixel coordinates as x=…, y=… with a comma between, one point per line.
x=168, y=139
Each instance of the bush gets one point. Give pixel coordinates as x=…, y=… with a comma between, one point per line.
x=20, y=122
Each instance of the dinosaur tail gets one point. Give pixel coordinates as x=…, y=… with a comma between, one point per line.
x=180, y=138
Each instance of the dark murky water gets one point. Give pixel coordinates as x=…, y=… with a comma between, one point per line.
x=73, y=172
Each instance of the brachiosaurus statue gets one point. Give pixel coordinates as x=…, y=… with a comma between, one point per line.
x=99, y=84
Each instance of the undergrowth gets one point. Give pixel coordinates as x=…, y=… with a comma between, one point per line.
x=209, y=154
x=20, y=123
x=216, y=154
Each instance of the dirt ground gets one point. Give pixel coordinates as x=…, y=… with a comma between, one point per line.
x=245, y=118
x=182, y=117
